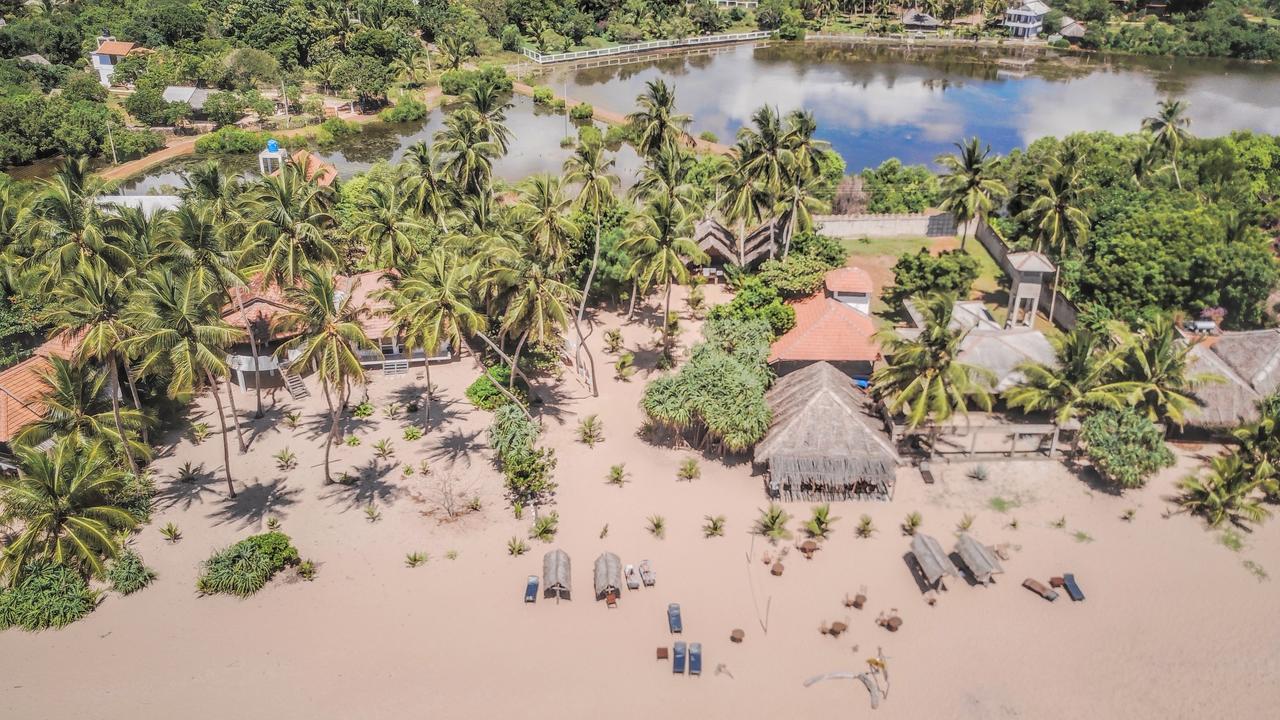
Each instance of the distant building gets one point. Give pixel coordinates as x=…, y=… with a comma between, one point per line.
x=827, y=330
x=194, y=97
x=35, y=59
x=919, y=20
x=1026, y=20
x=109, y=54
x=1072, y=30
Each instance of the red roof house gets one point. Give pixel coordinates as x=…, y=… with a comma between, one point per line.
x=827, y=330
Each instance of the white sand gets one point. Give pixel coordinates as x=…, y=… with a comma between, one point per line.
x=1174, y=626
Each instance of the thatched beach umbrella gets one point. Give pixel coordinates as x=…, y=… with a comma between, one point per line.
x=979, y=558
x=556, y=574
x=933, y=560
x=608, y=575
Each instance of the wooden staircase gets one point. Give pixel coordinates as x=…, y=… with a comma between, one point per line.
x=297, y=389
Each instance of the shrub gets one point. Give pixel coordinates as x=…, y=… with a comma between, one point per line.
x=772, y=523
x=231, y=141
x=456, y=82
x=617, y=475
x=689, y=470
x=708, y=136
x=407, y=110
x=545, y=527
x=1124, y=446
x=511, y=39
x=47, y=595
x=797, y=276
x=713, y=527
x=171, y=532
x=363, y=410
x=415, y=559
x=128, y=574
x=951, y=271
x=613, y=341
x=484, y=395
x=511, y=431
x=336, y=128
x=286, y=459
x=307, y=570
x=200, y=432
x=528, y=475
x=517, y=547
x=819, y=526
x=657, y=526
x=590, y=431
x=244, y=568
x=413, y=432
x=912, y=523
x=582, y=112
x=543, y=95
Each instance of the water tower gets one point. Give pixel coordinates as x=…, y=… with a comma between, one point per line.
x=272, y=159
x=1028, y=271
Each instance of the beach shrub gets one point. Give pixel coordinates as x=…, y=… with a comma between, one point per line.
x=511, y=432
x=866, y=528
x=528, y=475
x=516, y=547
x=128, y=574
x=912, y=523
x=415, y=559
x=829, y=250
x=772, y=523
x=820, y=524
x=46, y=596
x=363, y=410
x=545, y=527
x=456, y=82
x=407, y=110
x=590, y=430
x=543, y=95
x=231, y=141
x=657, y=526
x=714, y=526
x=1125, y=447
x=581, y=112
x=245, y=567
x=171, y=533
x=136, y=494
x=756, y=299
x=413, y=432
x=483, y=394
x=797, y=276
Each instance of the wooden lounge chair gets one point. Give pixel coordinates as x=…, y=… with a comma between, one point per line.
x=1039, y=588
x=1072, y=587
x=677, y=662
x=675, y=622
x=646, y=574
x=633, y=578
x=531, y=589
x=695, y=659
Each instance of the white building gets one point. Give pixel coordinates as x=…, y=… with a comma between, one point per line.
x=1026, y=20
x=109, y=54
x=851, y=286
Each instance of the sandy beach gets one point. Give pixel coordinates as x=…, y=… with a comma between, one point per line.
x=1174, y=625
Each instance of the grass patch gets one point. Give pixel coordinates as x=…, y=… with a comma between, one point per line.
x=1002, y=504
x=1231, y=540
x=1257, y=570
x=886, y=246
x=1082, y=536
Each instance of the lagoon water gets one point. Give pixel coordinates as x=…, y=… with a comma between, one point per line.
x=871, y=102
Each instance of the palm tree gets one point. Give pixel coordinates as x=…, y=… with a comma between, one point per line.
x=65, y=502
x=75, y=404
x=1228, y=491
x=432, y=194
x=327, y=333
x=666, y=173
x=430, y=306
x=764, y=150
x=656, y=123
x=467, y=152
x=139, y=233
x=589, y=169
x=289, y=219
x=798, y=202
x=543, y=210
x=661, y=242
x=68, y=226
x=1074, y=385
x=970, y=189
x=490, y=105
x=923, y=377
x=1155, y=375
x=455, y=49
x=806, y=150
x=745, y=200
x=1058, y=217
x=388, y=224
x=536, y=301
x=1260, y=440
x=180, y=334
x=1168, y=128
x=92, y=302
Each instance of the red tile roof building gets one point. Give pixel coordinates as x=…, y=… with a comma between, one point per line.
x=22, y=385
x=827, y=330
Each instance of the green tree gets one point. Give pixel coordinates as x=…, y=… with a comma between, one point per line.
x=76, y=405
x=1125, y=446
x=1058, y=217
x=590, y=169
x=65, y=502
x=288, y=223
x=662, y=244
x=1228, y=492
x=1155, y=375
x=655, y=123
x=1168, y=127
x=970, y=189
x=388, y=223
x=1075, y=385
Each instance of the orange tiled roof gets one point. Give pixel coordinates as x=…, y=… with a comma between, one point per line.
x=362, y=287
x=22, y=385
x=314, y=168
x=827, y=329
x=262, y=301
x=849, y=280
x=116, y=48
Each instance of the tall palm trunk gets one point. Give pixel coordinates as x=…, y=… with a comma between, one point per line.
x=666, y=325
x=515, y=359
x=426, y=396
x=137, y=402
x=235, y=417
x=253, y=347
x=1053, y=297
x=335, y=412
x=226, y=444
x=582, y=311
x=964, y=233
x=485, y=369
x=635, y=290
x=115, y=410
x=1177, y=178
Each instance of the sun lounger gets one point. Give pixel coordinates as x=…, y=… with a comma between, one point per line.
x=633, y=578
x=1039, y=588
x=677, y=661
x=1072, y=587
x=531, y=589
x=647, y=574
x=695, y=659
x=674, y=622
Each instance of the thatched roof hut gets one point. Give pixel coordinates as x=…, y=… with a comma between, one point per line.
x=608, y=575
x=979, y=558
x=721, y=244
x=1249, y=363
x=932, y=559
x=824, y=442
x=556, y=573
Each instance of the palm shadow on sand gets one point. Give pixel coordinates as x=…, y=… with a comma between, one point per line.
x=372, y=486
x=255, y=502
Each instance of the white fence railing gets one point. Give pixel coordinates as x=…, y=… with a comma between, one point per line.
x=736, y=3
x=544, y=59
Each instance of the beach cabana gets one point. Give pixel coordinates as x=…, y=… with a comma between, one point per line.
x=608, y=576
x=978, y=558
x=823, y=443
x=932, y=559
x=555, y=575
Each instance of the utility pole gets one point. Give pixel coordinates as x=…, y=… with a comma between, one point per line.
x=284, y=94
x=111, y=139
x=566, y=104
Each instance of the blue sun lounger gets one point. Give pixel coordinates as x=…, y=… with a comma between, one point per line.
x=1072, y=587
x=677, y=659
x=695, y=659
x=531, y=589
x=674, y=621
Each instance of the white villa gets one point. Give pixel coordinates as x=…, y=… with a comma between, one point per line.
x=109, y=54
x=1026, y=20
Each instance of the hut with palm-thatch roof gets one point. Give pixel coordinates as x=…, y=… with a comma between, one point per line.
x=556, y=572
x=608, y=576
x=932, y=559
x=722, y=247
x=825, y=442
x=982, y=563
x=1246, y=368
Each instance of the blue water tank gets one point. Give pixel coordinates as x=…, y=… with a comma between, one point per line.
x=273, y=146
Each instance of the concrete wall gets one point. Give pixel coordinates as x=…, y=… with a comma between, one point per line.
x=936, y=224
